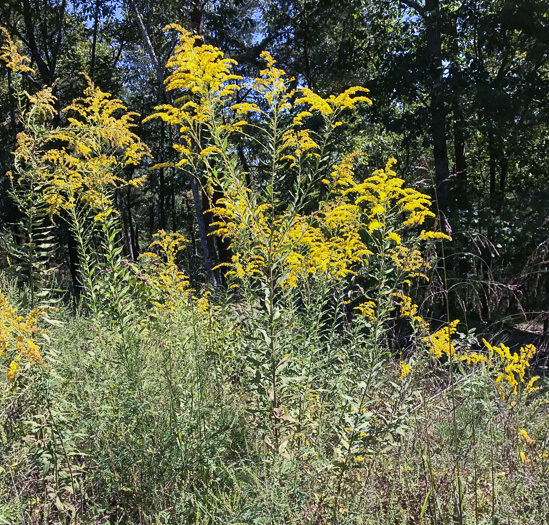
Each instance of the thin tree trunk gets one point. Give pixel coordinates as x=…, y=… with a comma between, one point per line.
x=198, y=18
x=94, y=39
x=202, y=230
x=125, y=228
x=437, y=105
x=459, y=152
x=134, y=243
x=503, y=174
x=492, y=168
x=150, y=49
x=430, y=13
x=45, y=73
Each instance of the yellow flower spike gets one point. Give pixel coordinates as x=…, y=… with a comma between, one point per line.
x=367, y=309
x=9, y=54
x=394, y=237
x=512, y=367
x=374, y=225
x=405, y=369
x=349, y=99
x=315, y=102
x=273, y=84
x=245, y=107
x=525, y=437
x=81, y=169
x=162, y=273
x=17, y=336
x=434, y=235
x=12, y=371
x=441, y=343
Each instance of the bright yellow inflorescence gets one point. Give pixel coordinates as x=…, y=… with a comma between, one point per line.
x=331, y=241
x=95, y=146
x=512, y=366
x=405, y=369
x=17, y=337
x=162, y=271
x=9, y=54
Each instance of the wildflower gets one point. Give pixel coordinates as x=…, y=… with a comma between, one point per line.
x=512, y=366
x=13, y=369
x=367, y=309
x=440, y=342
x=394, y=237
x=405, y=369
x=525, y=437
x=17, y=336
x=11, y=57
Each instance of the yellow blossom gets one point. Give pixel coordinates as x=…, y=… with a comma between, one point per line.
x=17, y=336
x=405, y=369
x=441, y=343
x=9, y=54
x=367, y=309
x=512, y=366
x=525, y=437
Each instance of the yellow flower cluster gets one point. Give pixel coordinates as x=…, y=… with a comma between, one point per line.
x=512, y=366
x=525, y=437
x=272, y=84
x=94, y=147
x=299, y=143
x=203, y=76
x=199, y=69
x=367, y=309
x=327, y=242
x=405, y=369
x=10, y=55
x=334, y=103
x=408, y=260
x=330, y=241
x=162, y=273
x=383, y=193
x=380, y=201
x=410, y=310
x=440, y=342
x=17, y=333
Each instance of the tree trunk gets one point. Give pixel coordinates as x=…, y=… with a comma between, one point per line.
x=492, y=168
x=94, y=39
x=197, y=17
x=202, y=230
x=459, y=152
x=134, y=242
x=437, y=104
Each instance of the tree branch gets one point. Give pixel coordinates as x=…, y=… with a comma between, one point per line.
x=414, y=5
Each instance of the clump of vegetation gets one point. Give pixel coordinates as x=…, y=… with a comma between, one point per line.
x=308, y=388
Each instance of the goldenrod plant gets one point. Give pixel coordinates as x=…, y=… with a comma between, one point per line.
x=312, y=387
x=18, y=333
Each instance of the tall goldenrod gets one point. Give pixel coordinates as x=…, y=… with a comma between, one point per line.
x=17, y=337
